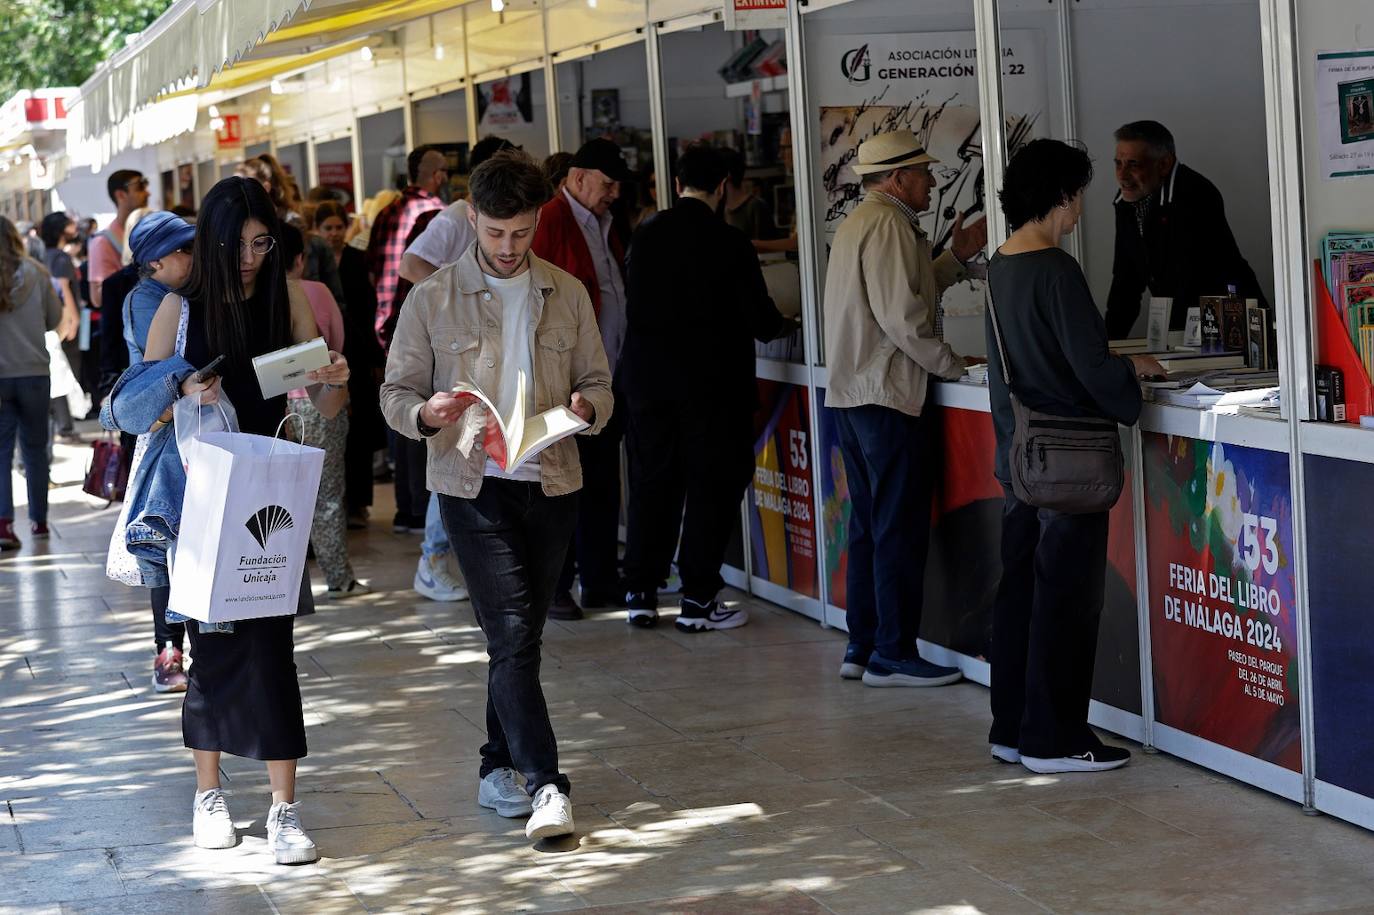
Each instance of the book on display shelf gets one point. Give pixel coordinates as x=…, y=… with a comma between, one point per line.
x=1330, y=390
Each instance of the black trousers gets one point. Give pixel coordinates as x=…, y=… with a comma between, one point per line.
x=688, y=468
x=595, y=549
x=412, y=496
x=163, y=631
x=888, y=465
x=1044, y=629
x=366, y=434
x=510, y=542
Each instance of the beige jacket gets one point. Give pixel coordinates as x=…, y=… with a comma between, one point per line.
x=450, y=331
x=881, y=289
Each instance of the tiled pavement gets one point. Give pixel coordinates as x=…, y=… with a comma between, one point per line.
x=720, y=773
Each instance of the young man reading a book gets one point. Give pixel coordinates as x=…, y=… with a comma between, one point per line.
x=505, y=324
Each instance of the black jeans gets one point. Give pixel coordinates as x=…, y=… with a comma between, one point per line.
x=163, y=631
x=688, y=470
x=1044, y=629
x=888, y=464
x=510, y=542
x=596, y=546
x=412, y=496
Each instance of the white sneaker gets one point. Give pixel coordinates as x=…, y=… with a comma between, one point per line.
x=286, y=837
x=501, y=791
x=1003, y=753
x=354, y=588
x=552, y=814
x=212, y=826
x=437, y=580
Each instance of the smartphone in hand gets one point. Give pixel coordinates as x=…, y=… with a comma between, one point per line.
x=210, y=372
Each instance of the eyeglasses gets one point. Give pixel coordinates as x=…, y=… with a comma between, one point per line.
x=137, y=184
x=260, y=246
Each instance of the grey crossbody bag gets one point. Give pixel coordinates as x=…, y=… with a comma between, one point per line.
x=1070, y=464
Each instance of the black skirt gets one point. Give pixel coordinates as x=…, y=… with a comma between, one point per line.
x=243, y=697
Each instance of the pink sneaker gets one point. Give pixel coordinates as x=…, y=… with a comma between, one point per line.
x=168, y=676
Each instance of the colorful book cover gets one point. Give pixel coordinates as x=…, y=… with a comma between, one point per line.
x=1233, y=328
x=1357, y=110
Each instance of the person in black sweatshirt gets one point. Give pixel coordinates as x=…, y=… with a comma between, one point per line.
x=696, y=302
x=1172, y=236
x=1045, y=617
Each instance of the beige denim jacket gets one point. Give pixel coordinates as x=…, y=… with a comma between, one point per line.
x=881, y=289
x=450, y=331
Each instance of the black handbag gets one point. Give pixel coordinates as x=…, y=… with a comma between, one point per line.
x=1070, y=464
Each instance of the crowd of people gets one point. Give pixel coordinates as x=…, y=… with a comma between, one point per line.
x=544, y=283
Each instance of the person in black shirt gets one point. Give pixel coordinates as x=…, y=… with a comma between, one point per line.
x=1045, y=618
x=696, y=301
x=1172, y=236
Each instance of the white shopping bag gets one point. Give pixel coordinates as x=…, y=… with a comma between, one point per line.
x=245, y=527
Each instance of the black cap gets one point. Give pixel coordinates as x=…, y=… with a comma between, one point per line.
x=605, y=157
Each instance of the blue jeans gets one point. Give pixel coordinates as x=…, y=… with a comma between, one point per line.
x=24, y=411
x=888, y=464
x=510, y=542
x=435, y=543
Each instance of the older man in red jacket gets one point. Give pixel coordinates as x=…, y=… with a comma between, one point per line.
x=575, y=233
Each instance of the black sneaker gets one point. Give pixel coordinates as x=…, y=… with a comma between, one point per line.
x=642, y=609
x=698, y=617
x=564, y=608
x=1099, y=759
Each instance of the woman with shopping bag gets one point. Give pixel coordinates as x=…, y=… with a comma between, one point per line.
x=243, y=698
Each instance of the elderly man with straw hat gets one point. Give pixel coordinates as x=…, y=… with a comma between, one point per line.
x=882, y=290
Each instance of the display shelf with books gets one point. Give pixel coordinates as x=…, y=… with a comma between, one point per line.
x=1344, y=335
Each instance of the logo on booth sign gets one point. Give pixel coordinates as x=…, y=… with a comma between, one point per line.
x=267, y=521
x=855, y=65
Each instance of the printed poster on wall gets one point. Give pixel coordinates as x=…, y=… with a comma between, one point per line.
x=782, y=525
x=926, y=83
x=1345, y=112
x=1223, y=628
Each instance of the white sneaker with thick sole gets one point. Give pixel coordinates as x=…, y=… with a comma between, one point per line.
x=1005, y=754
x=437, y=581
x=552, y=816
x=501, y=791
x=1103, y=759
x=286, y=837
x=212, y=825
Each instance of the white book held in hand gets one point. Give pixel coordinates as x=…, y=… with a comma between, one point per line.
x=284, y=370
x=512, y=440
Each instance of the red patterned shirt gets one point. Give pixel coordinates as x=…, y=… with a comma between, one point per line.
x=388, y=243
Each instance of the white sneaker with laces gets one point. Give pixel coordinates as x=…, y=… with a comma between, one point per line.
x=212, y=826
x=1005, y=754
x=286, y=837
x=501, y=791
x=552, y=816
x=437, y=580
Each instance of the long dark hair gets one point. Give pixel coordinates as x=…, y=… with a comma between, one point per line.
x=232, y=328
x=11, y=256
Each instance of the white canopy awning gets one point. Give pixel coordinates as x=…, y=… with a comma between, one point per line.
x=184, y=48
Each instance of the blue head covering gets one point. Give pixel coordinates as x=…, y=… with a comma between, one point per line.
x=159, y=234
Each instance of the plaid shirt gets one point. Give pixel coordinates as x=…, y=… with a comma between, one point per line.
x=388, y=243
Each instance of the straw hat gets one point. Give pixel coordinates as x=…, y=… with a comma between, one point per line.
x=889, y=151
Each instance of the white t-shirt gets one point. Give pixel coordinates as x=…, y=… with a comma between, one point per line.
x=516, y=357
x=446, y=237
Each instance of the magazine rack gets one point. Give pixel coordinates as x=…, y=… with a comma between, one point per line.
x=1335, y=348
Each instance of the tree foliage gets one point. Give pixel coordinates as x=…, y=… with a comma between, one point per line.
x=61, y=42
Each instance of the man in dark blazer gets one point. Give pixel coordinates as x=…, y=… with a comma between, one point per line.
x=1172, y=237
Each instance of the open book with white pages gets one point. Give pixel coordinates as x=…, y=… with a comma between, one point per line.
x=511, y=440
